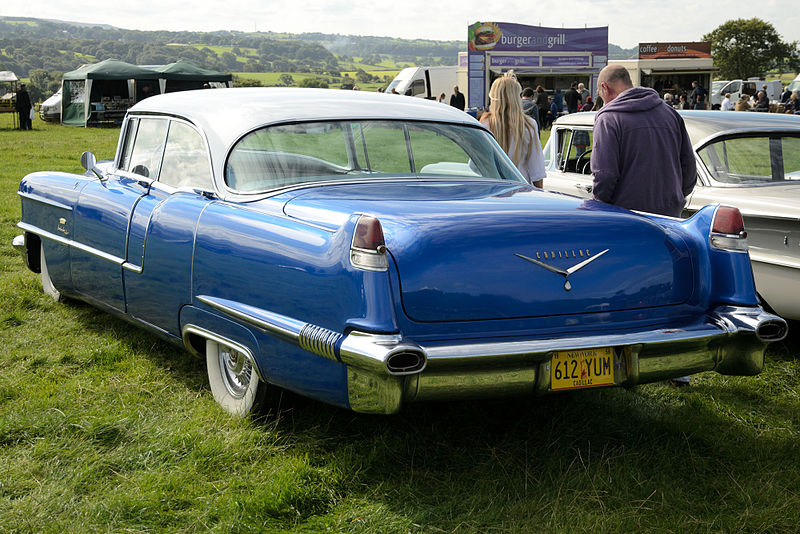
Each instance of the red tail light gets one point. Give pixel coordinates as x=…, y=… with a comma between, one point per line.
x=727, y=230
x=368, y=233
x=368, y=249
x=728, y=220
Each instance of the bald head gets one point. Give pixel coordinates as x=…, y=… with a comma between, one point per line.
x=613, y=80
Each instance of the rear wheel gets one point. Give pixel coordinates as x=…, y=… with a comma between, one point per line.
x=47, y=283
x=233, y=380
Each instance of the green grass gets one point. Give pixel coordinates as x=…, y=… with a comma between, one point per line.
x=105, y=428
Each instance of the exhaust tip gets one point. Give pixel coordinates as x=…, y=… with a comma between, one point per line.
x=405, y=362
x=772, y=330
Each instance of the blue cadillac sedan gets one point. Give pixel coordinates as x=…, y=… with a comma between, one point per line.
x=370, y=250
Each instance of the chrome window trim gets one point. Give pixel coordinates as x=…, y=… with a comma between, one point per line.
x=170, y=118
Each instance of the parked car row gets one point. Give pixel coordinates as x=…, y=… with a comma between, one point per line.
x=369, y=253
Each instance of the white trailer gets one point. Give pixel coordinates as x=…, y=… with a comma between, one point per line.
x=426, y=82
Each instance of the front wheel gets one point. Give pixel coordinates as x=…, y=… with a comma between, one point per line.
x=47, y=283
x=233, y=380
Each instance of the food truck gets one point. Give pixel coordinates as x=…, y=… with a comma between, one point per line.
x=550, y=57
x=671, y=67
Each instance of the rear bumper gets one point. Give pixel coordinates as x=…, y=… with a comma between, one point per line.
x=730, y=341
x=386, y=371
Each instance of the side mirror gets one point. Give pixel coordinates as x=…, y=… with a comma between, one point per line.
x=89, y=162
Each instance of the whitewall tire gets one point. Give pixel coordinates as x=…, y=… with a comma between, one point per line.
x=233, y=380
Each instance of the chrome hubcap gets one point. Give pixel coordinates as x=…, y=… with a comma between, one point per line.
x=237, y=371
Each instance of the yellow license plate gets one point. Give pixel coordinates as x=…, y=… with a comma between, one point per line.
x=586, y=368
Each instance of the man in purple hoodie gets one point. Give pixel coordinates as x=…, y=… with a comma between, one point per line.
x=642, y=158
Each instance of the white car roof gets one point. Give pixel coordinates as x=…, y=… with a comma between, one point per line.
x=226, y=114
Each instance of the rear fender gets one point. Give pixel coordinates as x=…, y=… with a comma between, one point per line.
x=726, y=275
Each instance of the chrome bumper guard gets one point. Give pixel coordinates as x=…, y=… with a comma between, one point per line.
x=731, y=341
x=385, y=371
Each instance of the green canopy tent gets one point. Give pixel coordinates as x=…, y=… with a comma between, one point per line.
x=101, y=93
x=184, y=76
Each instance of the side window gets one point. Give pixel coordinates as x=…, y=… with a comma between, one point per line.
x=186, y=162
x=429, y=148
x=575, y=147
x=417, y=88
x=147, y=148
x=749, y=160
x=130, y=136
x=387, y=147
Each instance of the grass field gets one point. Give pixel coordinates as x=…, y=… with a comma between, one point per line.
x=105, y=428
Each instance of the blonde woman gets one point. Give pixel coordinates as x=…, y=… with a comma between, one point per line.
x=515, y=132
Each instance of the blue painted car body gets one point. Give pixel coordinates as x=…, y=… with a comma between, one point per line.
x=272, y=274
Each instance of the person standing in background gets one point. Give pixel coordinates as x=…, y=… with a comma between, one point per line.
x=515, y=132
x=698, y=96
x=23, y=107
x=457, y=99
x=543, y=104
x=572, y=98
x=584, y=92
x=529, y=106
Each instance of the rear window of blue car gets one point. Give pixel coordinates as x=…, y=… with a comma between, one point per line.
x=283, y=155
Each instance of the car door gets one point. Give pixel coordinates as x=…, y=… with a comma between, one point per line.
x=569, y=169
x=102, y=216
x=157, y=273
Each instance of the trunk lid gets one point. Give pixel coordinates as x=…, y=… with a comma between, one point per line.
x=495, y=251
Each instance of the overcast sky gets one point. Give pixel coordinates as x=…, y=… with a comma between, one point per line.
x=629, y=21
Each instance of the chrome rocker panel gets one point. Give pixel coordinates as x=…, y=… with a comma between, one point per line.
x=730, y=341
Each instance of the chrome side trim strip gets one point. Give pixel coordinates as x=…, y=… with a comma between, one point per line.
x=772, y=260
x=43, y=200
x=128, y=266
x=70, y=243
x=313, y=338
x=274, y=323
x=208, y=334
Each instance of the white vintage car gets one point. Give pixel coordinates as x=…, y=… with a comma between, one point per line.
x=747, y=160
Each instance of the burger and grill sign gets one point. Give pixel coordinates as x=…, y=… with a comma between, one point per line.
x=533, y=48
x=503, y=36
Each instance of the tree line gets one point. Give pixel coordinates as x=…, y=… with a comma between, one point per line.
x=28, y=44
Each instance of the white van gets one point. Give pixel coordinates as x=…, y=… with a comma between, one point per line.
x=50, y=109
x=426, y=82
x=748, y=87
x=795, y=84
